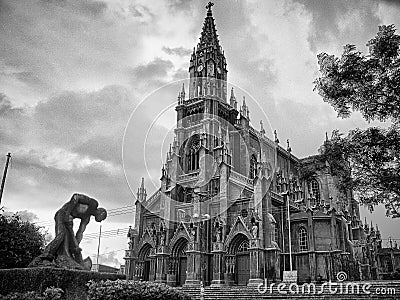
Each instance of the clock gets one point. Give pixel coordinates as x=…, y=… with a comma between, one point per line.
x=199, y=68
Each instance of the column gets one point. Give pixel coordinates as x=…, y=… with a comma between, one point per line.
x=256, y=263
x=193, y=264
x=162, y=256
x=218, y=262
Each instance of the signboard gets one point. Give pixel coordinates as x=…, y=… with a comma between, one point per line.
x=289, y=276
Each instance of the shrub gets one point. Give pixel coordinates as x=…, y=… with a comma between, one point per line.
x=22, y=296
x=21, y=241
x=133, y=290
x=72, y=282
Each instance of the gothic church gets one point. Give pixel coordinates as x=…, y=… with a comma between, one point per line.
x=232, y=207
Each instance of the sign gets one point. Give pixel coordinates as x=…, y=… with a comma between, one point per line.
x=289, y=276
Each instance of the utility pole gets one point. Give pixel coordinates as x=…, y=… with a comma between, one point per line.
x=98, y=251
x=4, y=175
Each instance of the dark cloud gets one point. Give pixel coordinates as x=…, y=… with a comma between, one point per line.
x=141, y=12
x=180, y=51
x=86, y=7
x=396, y=2
x=69, y=143
x=180, y=4
x=156, y=68
x=327, y=17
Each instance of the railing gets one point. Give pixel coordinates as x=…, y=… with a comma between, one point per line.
x=189, y=176
x=242, y=178
x=154, y=197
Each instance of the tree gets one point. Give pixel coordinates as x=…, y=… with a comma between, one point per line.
x=20, y=241
x=369, y=84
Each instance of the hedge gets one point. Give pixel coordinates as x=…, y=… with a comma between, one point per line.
x=133, y=290
x=49, y=294
x=72, y=282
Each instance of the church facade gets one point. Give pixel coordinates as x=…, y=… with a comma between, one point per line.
x=234, y=207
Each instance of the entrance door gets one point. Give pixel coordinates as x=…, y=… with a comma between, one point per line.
x=243, y=268
x=182, y=270
x=146, y=270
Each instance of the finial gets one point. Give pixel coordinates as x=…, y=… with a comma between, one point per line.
x=262, y=127
x=288, y=149
x=208, y=6
x=326, y=136
x=142, y=184
x=276, y=137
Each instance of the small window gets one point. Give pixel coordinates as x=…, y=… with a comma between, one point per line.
x=303, y=239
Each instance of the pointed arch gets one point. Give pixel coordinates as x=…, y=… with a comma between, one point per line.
x=239, y=227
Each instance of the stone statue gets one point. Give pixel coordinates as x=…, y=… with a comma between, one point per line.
x=64, y=251
x=163, y=235
x=254, y=230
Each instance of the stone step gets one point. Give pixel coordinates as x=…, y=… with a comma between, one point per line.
x=245, y=293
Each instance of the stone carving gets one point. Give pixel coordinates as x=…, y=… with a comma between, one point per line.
x=64, y=251
x=254, y=231
x=163, y=234
x=219, y=226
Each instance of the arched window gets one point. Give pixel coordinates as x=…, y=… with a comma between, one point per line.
x=192, y=154
x=313, y=186
x=303, y=239
x=243, y=247
x=253, y=167
x=388, y=265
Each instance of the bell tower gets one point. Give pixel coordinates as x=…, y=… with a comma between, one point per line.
x=208, y=73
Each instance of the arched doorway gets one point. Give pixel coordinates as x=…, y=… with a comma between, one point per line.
x=239, y=247
x=143, y=264
x=178, y=260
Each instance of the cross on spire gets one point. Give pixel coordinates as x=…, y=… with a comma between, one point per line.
x=209, y=5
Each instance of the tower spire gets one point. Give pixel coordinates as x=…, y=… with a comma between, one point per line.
x=208, y=61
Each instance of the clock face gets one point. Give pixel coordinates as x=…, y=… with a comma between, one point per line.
x=199, y=68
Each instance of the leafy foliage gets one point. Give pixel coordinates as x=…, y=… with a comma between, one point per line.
x=41, y=280
x=124, y=290
x=375, y=160
x=331, y=156
x=21, y=242
x=369, y=84
x=366, y=83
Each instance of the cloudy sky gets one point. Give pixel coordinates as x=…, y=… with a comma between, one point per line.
x=72, y=72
